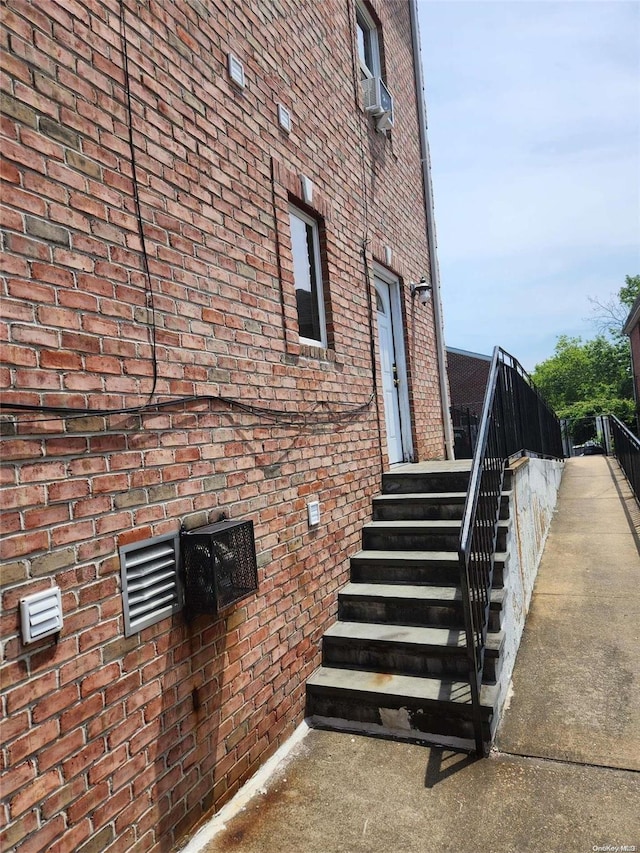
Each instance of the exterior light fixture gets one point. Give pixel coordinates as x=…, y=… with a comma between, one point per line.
x=422, y=289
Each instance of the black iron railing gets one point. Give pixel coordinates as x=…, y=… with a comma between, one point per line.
x=626, y=449
x=465, y=422
x=515, y=421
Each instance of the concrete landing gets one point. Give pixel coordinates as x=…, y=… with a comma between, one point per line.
x=431, y=467
x=342, y=793
x=576, y=683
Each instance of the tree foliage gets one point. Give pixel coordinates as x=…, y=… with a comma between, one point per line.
x=609, y=317
x=630, y=291
x=581, y=371
x=593, y=377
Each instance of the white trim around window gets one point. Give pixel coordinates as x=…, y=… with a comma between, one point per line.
x=307, y=275
x=368, y=43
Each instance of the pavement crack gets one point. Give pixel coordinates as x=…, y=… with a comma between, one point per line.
x=497, y=753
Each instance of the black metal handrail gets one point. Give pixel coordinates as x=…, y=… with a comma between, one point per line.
x=626, y=449
x=465, y=422
x=515, y=421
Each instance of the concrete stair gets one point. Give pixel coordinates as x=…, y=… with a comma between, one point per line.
x=419, y=535
x=395, y=662
x=409, y=604
x=399, y=706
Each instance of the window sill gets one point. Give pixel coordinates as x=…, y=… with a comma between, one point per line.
x=307, y=352
x=319, y=352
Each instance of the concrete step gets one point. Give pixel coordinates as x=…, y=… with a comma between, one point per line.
x=419, y=535
x=431, y=477
x=419, y=506
x=405, y=650
x=425, y=477
x=395, y=663
x=426, y=709
x=406, y=604
x=415, y=567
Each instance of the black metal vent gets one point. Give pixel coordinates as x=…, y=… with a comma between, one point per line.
x=219, y=565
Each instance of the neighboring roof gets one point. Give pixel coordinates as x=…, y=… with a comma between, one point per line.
x=633, y=319
x=469, y=354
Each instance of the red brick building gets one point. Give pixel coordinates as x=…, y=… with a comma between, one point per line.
x=632, y=330
x=468, y=374
x=212, y=214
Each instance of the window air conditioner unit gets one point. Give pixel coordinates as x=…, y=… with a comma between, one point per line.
x=219, y=565
x=378, y=101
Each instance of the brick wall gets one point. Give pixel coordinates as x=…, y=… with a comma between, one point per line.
x=634, y=340
x=468, y=373
x=123, y=744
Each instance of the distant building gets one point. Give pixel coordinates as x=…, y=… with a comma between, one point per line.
x=468, y=375
x=631, y=328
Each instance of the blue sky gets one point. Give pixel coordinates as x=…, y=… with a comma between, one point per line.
x=533, y=110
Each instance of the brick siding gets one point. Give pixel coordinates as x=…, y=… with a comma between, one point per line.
x=468, y=374
x=124, y=744
x=634, y=340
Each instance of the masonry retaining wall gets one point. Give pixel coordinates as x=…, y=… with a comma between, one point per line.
x=533, y=499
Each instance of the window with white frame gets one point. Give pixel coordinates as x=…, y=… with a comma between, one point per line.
x=368, y=43
x=307, y=274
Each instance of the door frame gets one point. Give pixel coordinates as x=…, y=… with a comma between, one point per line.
x=397, y=327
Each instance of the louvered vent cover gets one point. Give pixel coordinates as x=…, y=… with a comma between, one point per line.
x=151, y=587
x=41, y=614
x=219, y=565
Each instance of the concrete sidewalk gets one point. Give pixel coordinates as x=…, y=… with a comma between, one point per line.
x=563, y=778
x=576, y=683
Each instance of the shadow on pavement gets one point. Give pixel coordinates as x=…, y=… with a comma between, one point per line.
x=443, y=763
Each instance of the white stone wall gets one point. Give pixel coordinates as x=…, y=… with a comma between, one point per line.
x=533, y=499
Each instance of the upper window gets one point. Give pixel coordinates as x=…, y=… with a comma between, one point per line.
x=307, y=274
x=368, y=43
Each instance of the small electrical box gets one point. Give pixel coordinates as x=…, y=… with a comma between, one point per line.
x=219, y=565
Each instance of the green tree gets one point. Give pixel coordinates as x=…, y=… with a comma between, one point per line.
x=610, y=316
x=582, y=371
x=593, y=377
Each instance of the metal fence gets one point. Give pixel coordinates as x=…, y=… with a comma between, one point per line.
x=465, y=422
x=626, y=449
x=515, y=421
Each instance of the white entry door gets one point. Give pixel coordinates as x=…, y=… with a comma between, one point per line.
x=393, y=367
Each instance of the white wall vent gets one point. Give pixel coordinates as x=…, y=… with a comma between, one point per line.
x=151, y=588
x=313, y=513
x=236, y=70
x=41, y=614
x=378, y=101
x=284, y=119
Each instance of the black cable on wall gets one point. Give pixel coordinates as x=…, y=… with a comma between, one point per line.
x=150, y=303
x=282, y=417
